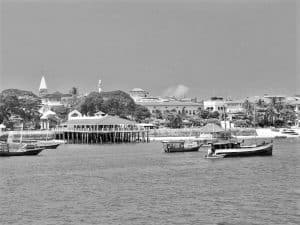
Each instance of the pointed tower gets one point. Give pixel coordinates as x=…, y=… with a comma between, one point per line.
x=43, y=87
x=99, y=86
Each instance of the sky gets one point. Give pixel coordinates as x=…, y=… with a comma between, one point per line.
x=233, y=48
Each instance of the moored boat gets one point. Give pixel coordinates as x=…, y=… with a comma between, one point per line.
x=180, y=146
x=234, y=149
x=47, y=144
x=289, y=132
x=19, y=150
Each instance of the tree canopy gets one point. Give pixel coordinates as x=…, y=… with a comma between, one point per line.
x=114, y=103
x=23, y=104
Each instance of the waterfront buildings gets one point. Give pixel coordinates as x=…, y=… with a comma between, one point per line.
x=166, y=104
x=233, y=108
x=179, y=107
x=97, y=122
x=100, y=128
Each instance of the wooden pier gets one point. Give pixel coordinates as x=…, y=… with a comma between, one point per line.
x=101, y=136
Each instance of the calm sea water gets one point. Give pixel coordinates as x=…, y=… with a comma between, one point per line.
x=139, y=184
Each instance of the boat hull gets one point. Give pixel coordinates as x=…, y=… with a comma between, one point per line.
x=25, y=153
x=192, y=149
x=49, y=146
x=264, y=150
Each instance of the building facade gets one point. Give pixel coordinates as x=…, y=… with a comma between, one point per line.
x=187, y=108
x=215, y=104
x=137, y=94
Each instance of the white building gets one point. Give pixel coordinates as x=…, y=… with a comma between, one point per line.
x=138, y=93
x=215, y=104
x=274, y=98
x=188, y=108
x=234, y=107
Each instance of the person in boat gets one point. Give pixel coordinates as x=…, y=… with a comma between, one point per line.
x=211, y=151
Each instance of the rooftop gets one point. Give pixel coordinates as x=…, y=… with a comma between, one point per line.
x=137, y=90
x=106, y=120
x=169, y=103
x=57, y=94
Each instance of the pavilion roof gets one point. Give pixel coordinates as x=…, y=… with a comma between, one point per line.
x=106, y=120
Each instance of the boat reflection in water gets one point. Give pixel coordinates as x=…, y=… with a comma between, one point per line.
x=19, y=149
x=180, y=146
x=235, y=149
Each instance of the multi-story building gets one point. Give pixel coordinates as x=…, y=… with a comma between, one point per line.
x=236, y=106
x=215, y=104
x=166, y=104
x=188, y=108
x=274, y=98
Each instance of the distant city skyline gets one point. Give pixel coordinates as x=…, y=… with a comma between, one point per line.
x=199, y=48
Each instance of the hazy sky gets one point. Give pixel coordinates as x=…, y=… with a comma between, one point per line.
x=210, y=47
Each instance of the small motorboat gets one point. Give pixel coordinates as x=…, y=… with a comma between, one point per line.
x=289, y=132
x=19, y=150
x=180, y=146
x=234, y=149
x=47, y=144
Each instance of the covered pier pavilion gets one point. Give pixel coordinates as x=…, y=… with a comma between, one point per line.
x=101, y=129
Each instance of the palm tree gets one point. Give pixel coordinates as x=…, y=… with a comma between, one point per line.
x=249, y=110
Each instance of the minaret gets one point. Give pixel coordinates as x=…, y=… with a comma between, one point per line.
x=43, y=87
x=99, y=86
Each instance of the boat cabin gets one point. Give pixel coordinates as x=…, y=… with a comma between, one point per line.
x=3, y=147
x=225, y=145
x=171, y=145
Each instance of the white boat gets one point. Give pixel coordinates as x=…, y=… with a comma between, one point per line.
x=234, y=149
x=289, y=132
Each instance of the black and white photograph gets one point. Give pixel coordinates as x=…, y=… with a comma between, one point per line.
x=149, y=112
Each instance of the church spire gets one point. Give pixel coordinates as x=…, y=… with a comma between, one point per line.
x=43, y=87
x=43, y=84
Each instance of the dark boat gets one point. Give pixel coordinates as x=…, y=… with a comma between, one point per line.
x=234, y=149
x=180, y=146
x=20, y=150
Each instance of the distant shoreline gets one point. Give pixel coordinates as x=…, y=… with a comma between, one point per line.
x=178, y=134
